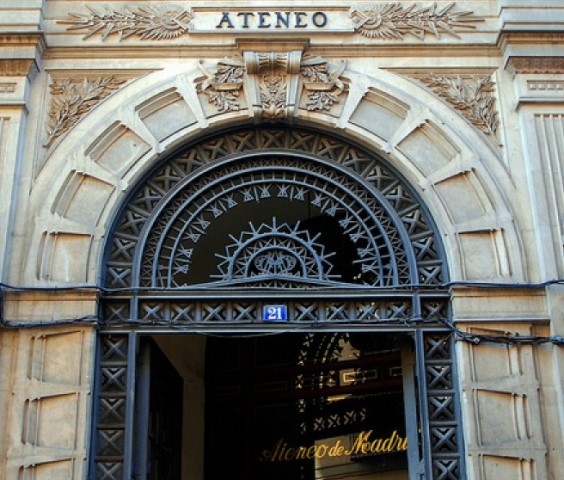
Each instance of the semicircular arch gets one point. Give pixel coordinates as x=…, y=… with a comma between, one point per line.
x=453, y=169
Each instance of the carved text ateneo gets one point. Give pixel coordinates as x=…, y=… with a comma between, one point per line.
x=277, y=20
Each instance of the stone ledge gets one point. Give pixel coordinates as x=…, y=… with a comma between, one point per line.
x=499, y=304
x=50, y=306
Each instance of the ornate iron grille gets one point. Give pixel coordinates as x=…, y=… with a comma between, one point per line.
x=441, y=403
x=214, y=234
x=111, y=426
x=173, y=213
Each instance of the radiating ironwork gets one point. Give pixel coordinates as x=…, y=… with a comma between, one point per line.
x=173, y=212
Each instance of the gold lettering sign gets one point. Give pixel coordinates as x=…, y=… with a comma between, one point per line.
x=364, y=444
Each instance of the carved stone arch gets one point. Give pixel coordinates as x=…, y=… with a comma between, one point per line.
x=447, y=162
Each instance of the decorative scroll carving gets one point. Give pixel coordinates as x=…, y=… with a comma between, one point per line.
x=473, y=97
x=148, y=23
x=393, y=20
x=71, y=100
x=275, y=86
x=223, y=87
x=323, y=86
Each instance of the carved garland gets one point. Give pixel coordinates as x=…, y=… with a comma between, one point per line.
x=393, y=20
x=472, y=96
x=72, y=99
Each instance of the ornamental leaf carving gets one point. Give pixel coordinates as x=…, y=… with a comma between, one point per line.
x=395, y=21
x=273, y=88
x=223, y=86
x=148, y=22
x=472, y=96
x=71, y=100
x=322, y=83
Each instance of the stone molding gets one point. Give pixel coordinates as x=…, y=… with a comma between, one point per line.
x=534, y=65
x=272, y=81
x=16, y=67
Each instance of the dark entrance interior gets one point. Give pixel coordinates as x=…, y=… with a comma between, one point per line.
x=305, y=406
x=286, y=406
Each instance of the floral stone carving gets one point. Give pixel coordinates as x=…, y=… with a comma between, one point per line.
x=224, y=85
x=148, y=22
x=322, y=84
x=271, y=82
x=472, y=96
x=393, y=20
x=72, y=99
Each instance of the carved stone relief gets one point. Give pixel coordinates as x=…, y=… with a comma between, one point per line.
x=322, y=83
x=224, y=86
x=272, y=82
x=274, y=89
x=148, y=22
x=384, y=21
x=395, y=21
x=470, y=95
x=72, y=99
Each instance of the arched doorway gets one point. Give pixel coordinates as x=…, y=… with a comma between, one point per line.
x=277, y=230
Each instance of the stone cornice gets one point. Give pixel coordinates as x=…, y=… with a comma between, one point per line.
x=19, y=53
x=16, y=67
x=536, y=65
x=98, y=52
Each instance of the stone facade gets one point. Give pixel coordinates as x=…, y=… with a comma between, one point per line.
x=465, y=100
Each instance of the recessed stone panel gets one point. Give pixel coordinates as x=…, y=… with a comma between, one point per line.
x=51, y=421
x=65, y=256
x=380, y=114
x=165, y=114
x=481, y=260
x=428, y=148
x=57, y=358
x=461, y=198
x=79, y=190
x=486, y=355
x=507, y=468
x=497, y=417
x=117, y=149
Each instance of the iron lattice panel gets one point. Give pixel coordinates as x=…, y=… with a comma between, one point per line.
x=182, y=313
x=441, y=404
x=182, y=197
x=443, y=429
x=111, y=423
